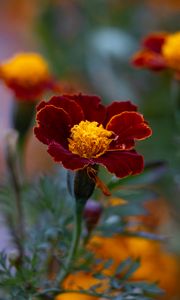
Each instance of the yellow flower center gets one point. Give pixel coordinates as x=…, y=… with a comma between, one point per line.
x=89, y=139
x=171, y=51
x=27, y=69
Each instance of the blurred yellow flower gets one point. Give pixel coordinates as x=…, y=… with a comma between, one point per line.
x=157, y=265
x=74, y=296
x=27, y=74
x=78, y=281
x=171, y=50
x=83, y=280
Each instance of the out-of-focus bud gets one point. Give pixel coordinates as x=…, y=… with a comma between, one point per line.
x=10, y=140
x=14, y=257
x=92, y=213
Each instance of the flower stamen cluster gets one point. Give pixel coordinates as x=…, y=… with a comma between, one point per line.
x=89, y=139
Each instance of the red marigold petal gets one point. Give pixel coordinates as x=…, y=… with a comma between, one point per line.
x=41, y=105
x=27, y=93
x=122, y=163
x=128, y=126
x=155, y=41
x=53, y=125
x=117, y=144
x=92, y=108
x=150, y=60
x=73, y=109
x=68, y=159
x=139, y=58
x=117, y=107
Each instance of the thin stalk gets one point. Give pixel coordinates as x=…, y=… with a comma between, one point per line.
x=175, y=96
x=12, y=164
x=22, y=119
x=87, y=238
x=74, y=245
x=18, y=198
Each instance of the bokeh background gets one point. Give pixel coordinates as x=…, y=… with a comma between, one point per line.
x=89, y=45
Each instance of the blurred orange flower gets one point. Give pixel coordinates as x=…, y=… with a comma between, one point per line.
x=152, y=221
x=157, y=265
x=81, y=281
x=27, y=74
x=74, y=296
x=160, y=51
x=167, y=5
x=84, y=280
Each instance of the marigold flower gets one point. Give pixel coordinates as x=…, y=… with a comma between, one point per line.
x=81, y=132
x=160, y=51
x=27, y=74
x=157, y=264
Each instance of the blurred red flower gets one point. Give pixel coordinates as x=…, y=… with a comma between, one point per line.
x=27, y=75
x=81, y=132
x=160, y=51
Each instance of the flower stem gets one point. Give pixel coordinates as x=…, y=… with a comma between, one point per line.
x=23, y=114
x=175, y=95
x=75, y=242
x=12, y=163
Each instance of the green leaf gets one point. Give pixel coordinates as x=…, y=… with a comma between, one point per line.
x=126, y=210
x=136, y=194
x=134, y=266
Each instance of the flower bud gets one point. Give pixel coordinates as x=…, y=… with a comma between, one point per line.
x=80, y=185
x=92, y=213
